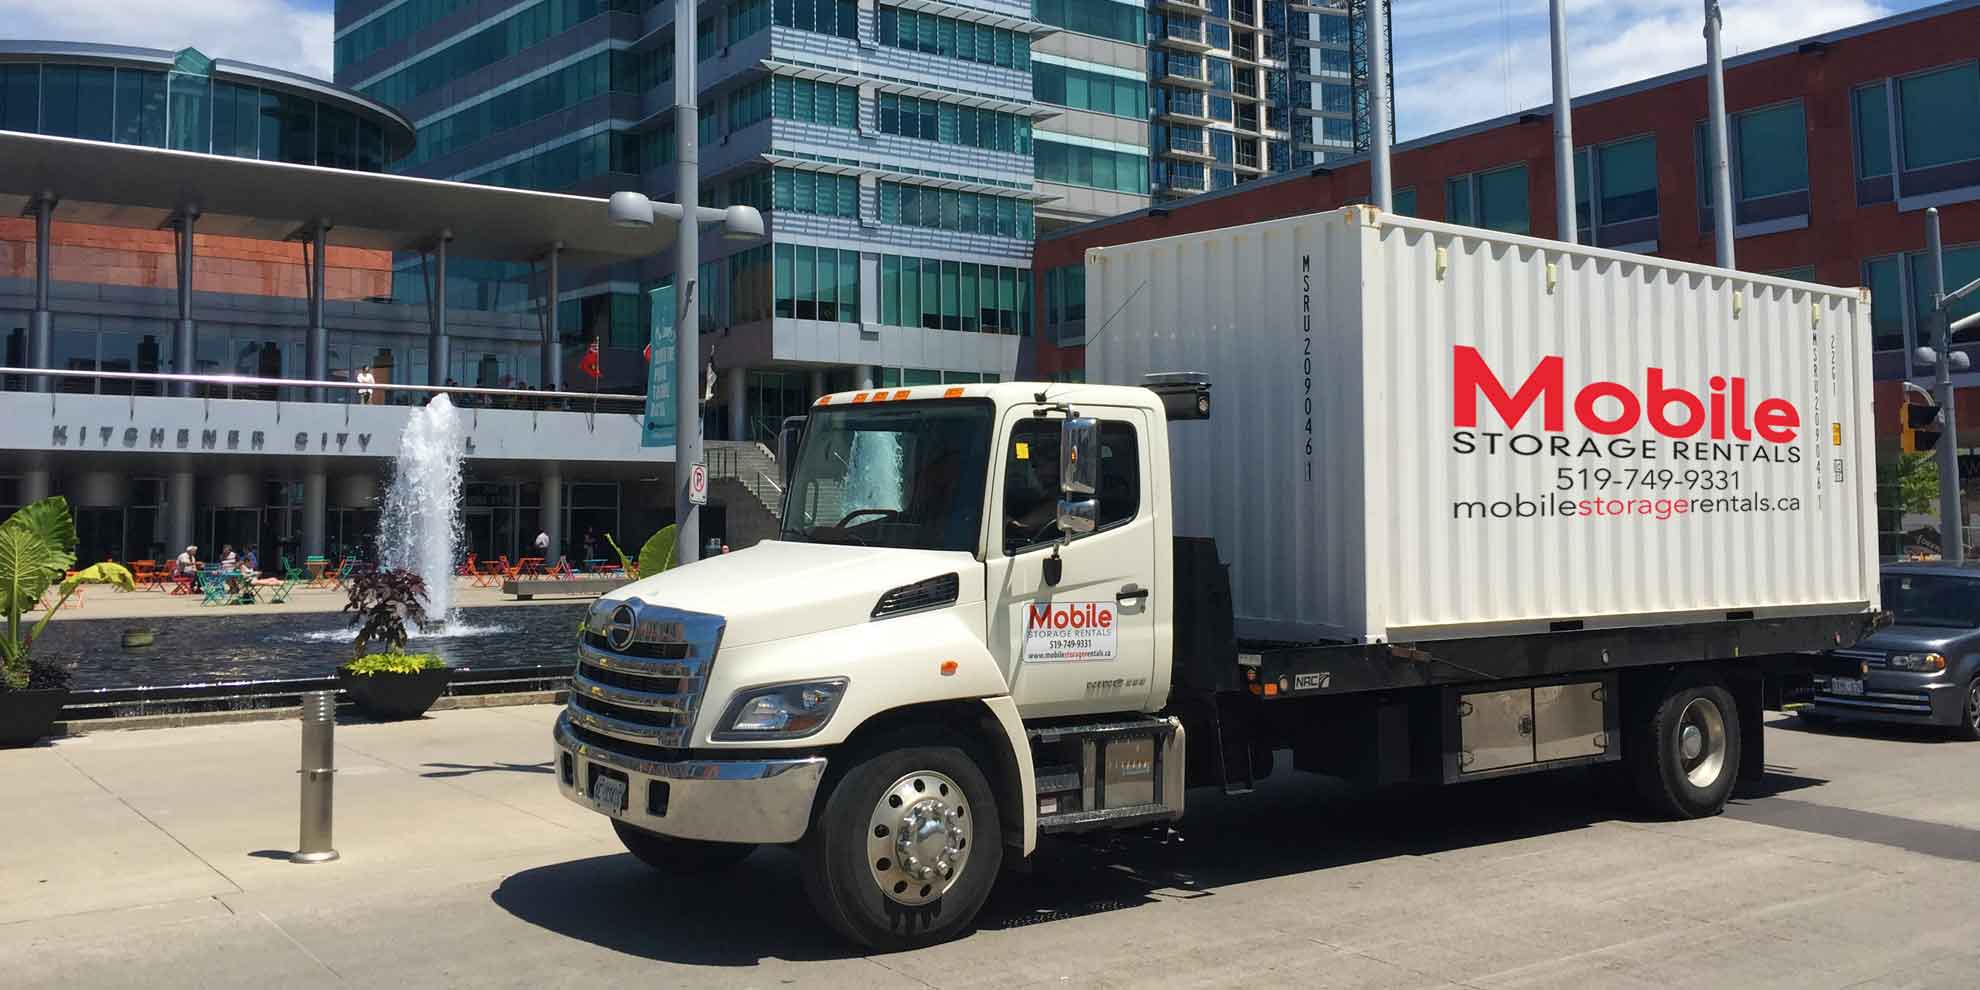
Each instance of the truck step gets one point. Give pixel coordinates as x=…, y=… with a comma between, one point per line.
x=1108, y=818
x=1111, y=774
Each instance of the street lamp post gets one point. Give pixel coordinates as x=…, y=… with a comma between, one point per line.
x=631, y=209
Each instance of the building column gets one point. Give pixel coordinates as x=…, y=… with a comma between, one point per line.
x=553, y=512
x=552, y=374
x=41, y=327
x=865, y=374
x=185, y=340
x=36, y=484
x=179, y=513
x=817, y=384
x=738, y=403
x=317, y=353
x=436, y=335
x=315, y=499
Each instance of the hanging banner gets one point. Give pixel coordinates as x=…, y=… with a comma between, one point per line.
x=658, y=428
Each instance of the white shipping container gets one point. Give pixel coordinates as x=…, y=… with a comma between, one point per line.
x=1423, y=431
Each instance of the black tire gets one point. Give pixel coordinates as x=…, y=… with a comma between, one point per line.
x=844, y=880
x=670, y=855
x=1671, y=783
x=1969, y=714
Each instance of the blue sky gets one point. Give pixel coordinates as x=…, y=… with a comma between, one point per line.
x=1457, y=61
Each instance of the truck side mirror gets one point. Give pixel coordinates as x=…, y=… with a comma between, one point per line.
x=1078, y=517
x=1079, y=457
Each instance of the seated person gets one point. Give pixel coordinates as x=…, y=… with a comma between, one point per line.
x=187, y=562
x=229, y=561
x=1031, y=493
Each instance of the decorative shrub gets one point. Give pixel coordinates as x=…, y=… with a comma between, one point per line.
x=381, y=603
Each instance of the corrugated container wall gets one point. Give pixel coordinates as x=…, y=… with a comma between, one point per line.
x=1424, y=431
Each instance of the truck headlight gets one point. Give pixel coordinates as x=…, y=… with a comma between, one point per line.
x=1919, y=663
x=782, y=711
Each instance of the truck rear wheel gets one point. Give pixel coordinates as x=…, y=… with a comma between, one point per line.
x=905, y=848
x=670, y=855
x=1685, y=755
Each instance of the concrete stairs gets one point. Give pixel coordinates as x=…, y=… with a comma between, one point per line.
x=743, y=477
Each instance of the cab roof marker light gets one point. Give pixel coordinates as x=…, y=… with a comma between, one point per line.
x=954, y=393
x=823, y=400
x=859, y=397
x=902, y=394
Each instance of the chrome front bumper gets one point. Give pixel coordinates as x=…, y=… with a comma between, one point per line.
x=765, y=801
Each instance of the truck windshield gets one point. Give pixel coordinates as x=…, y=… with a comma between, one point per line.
x=1933, y=600
x=904, y=475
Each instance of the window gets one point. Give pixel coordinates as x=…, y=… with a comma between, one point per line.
x=1404, y=201
x=496, y=41
x=1098, y=168
x=1065, y=304
x=76, y=101
x=1939, y=112
x=1885, y=280
x=1873, y=139
x=141, y=108
x=814, y=102
x=933, y=35
x=1769, y=164
x=20, y=98
x=1495, y=200
x=908, y=476
x=1101, y=18
x=815, y=192
x=1962, y=266
x=749, y=104
x=839, y=18
x=814, y=283
x=1615, y=188
x=746, y=17
x=1031, y=481
x=190, y=128
x=924, y=292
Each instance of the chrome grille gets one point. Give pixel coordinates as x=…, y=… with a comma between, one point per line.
x=649, y=690
x=1870, y=659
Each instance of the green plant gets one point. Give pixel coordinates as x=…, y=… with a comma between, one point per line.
x=394, y=663
x=381, y=603
x=627, y=564
x=1918, y=483
x=658, y=553
x=37, y=546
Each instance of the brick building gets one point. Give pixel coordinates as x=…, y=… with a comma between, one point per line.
x=1839, y=143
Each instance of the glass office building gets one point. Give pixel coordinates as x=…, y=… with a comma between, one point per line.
x=890, y=147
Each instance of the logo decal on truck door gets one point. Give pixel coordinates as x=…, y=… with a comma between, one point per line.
x=1069, y=631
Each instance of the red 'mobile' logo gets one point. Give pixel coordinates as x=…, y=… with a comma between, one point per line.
x=1673, y=412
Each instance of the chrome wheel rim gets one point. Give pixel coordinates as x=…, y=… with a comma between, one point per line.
x=1702, y=742
x=918, y=838
x=1973, y=706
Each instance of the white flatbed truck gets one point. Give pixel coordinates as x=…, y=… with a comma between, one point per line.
x=999, y=612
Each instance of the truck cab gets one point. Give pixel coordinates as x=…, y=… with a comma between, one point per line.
x=968, y=578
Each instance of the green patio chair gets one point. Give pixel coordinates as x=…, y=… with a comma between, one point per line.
x=291, y=572
x=280, y=594
x=212, y=589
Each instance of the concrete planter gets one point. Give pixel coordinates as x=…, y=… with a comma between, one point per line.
x=389, y=697
x=26, y=717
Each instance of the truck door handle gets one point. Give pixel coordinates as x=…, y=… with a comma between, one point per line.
x=1132, y=593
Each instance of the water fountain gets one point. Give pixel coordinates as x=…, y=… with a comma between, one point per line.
x=420, y=527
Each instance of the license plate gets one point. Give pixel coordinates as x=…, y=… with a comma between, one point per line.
x=1850, y=686
x=608, y=794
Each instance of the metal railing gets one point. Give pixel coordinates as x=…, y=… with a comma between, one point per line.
x=124, y=702
x=512, y=398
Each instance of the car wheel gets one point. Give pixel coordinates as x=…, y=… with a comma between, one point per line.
x=1969, y=715
x=1687, y=753
x=905, y=849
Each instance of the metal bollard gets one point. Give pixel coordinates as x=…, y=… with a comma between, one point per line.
x=319, y=765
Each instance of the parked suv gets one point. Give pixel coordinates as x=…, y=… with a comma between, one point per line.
x=1924, y=669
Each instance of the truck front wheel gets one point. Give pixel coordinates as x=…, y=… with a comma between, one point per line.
x=671, y=855
x=905, y=848
x=1686, y=754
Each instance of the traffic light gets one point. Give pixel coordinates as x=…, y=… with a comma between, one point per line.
x=1918, y=425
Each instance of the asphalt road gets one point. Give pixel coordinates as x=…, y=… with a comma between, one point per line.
x=141, y=860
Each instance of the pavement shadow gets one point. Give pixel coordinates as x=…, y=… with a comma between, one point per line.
x=442, y=770
x=1293, y=824
x=618, y=903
